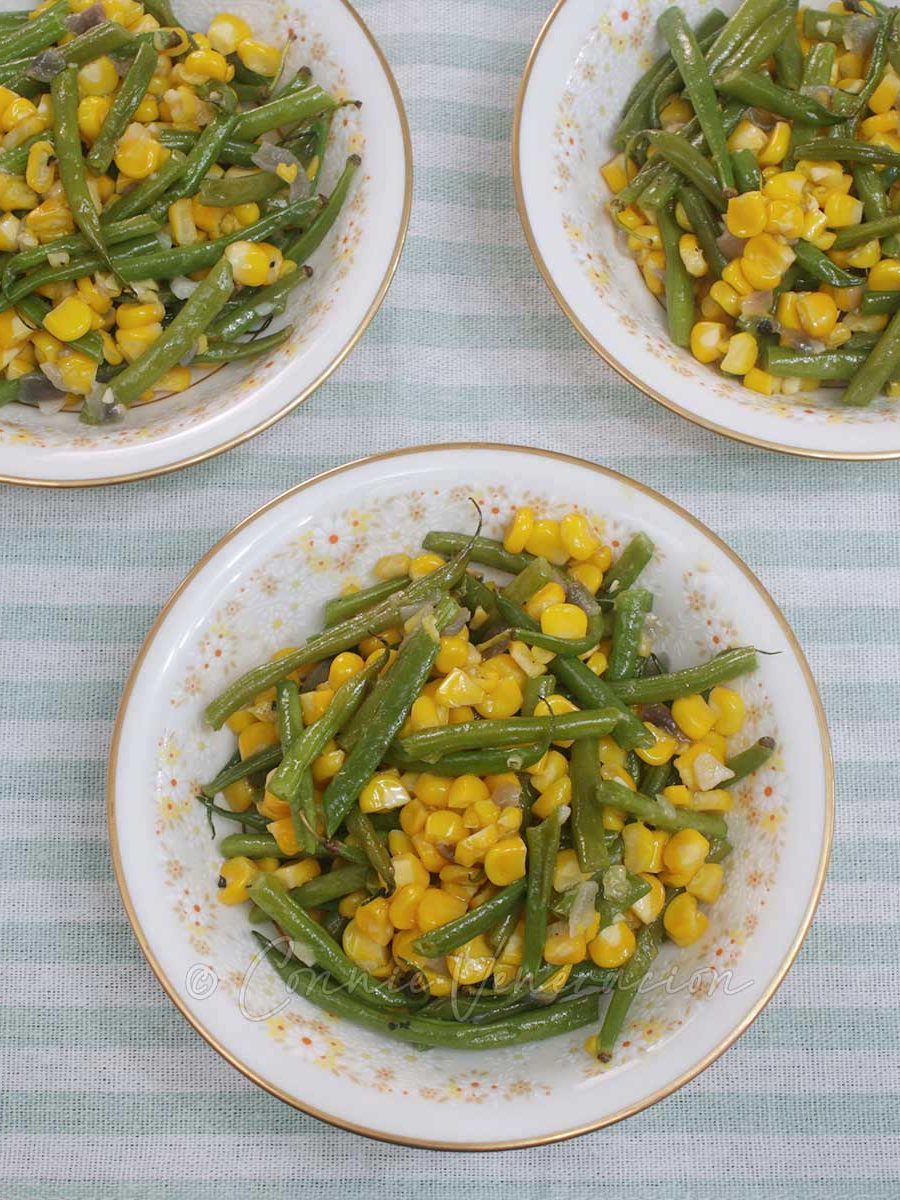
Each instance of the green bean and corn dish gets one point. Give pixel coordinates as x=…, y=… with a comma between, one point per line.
x=471, y=808
x=159, y=199
x=758, y=186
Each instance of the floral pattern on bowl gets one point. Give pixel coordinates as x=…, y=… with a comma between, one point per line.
x=581, y=68
x=262, y=592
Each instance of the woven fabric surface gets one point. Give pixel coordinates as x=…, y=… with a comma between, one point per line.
x=107, y=1091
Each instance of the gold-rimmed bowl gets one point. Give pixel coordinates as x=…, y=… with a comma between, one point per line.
x=584, y=61
x=352, y=271
x=263, y=587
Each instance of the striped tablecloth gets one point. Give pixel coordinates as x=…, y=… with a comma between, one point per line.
x=107, y=1093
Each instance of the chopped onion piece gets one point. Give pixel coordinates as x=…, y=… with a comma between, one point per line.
x=507, y=795
x=33, y=389
x=709, y=772
x=58, y=258
x=82, y=21
x=182, y=287
x=46, y=66
x=582, y=911
x=615, y=882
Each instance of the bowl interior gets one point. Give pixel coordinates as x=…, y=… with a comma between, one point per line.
x=352, y=269
x=263, y=588
x=583, y=66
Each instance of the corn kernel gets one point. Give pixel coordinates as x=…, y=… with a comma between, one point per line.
x=546, y=541
x=615, y=175
x=706, y=883
x=650, y=905
x=613, y=946
x=314, y=704
x=392, y=566
x=226, y=31
x=885, y=95
x=473, y=848
x=661, y=751
x=235, y=877
x=564, y=621
x=785, y=218
x=437, y=907
x=98, y=78
x=747, y=136
x=685, y=851
x=817, y=313
x=202, y=65
x=683, y=921
x=760, y=381
x=549, y=594
x=258, y=56
x=709, y=340
x=254, y=263
x=885, y=276
x=692, y=255
x=729, y=709
x=282, y=831
x=864, y=256
x=693, y=716
x=383, y=793
x=842, y=211
x=366, y=953
x=444, y=826
x=714, y=800
x=746, y=214
x=472, y=962
x=740, y=356
x=432, y=790
x=643, y=848
x=294, y=875
x=777, y=145
x=588, y=575
x=505, y=861
x=69, y=320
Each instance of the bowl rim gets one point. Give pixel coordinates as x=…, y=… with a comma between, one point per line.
x=506, y=1144
x=594, y=342
x=328, y=370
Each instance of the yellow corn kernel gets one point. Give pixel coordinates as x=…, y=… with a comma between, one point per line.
x=453, y=654
x=13, y=329
x=545, y=540
x=432, y=790
x=471, y=962
x=133, y=342
x=866, y=324
x=519, y=530
x=226, y=31
x=786, y=310
x=676, y=112
x=404, y=905
x=383, y=793
x=437, y=907
x=733, y=274
x=884, y=96
x=817, y=313
x=505, y=861
x=613, y=946
x=78, y=372
x=392, y=566
x=648, y=908
x=258, y=56
x=564, y=621
x=662, y=749
x=747, y=136
x=49, y=220
x=202, y=65
x=274, y=807
x=181, y=222
x=138, y=153
x=10, y=228
x=295, y=874
x=777, y=145
x=408, y=869
x=239, y=795
x=685, y=851
x=885, y=276
x=714, y=800
x=683, y=921
x=709, y=340
x=69, y=320
x=18, y=111
x=561, y=947
x=578, y=539
x=465, y=791
x=643, y=848
x=425, y=714
x=183, y=107
x=654, y=272
x=740, y=356
x=257, y=737
x=706, y=883
x=366, y=953
x=327, y=765
x=282, y=831
x=785, y=218
x=504, y=701
x=550, y=593
x=693, y=716
x=314, y=704
x=760, y=381
x=726, y=297
x=98, y=78
x=46, y=347
x=40, y=171
x=246, y=214
x=746, y=214
x=864, y=256
x=588, y=575
x=343, y=667
x=459, y=690
x=133, y=316
x=692, y=256
x=729, y=710
x=432, y=857
x=881, y=123
x=444, y=826
x=842, y=211
x=473, y=848
x=347, y=905
x=373, y=920
x=235, y=876
x=786, y=186
x=254, y=263
x=615, y=174
x=424, y=564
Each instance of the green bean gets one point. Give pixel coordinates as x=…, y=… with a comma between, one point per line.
x=307, y=242
x=760, y=92
x=129, y=96
x=67, y=140
x=816, y=74
x=340, y=881
x=569, y=645
x=527, y=582
x=203, y=154
x=75, y=243
x=147, y=192
x=628, y=566
x=697, y=82
x=820, y=266
x=234, y=151
x=219, y=352
x=587, y=819
x=749, y=760
x=182, y=260
x=877, y=63
x=487, y=551
x=832, y=27
x=534, y=1025
x=258, y=304
x=725, y=666
x=33, y=309
x=290, y=717
x=239, y=189
x=9, y=391
x=108, y=38
x=872, y=375
x=655, y=779
x=689, y=163
x=302, y=806
x=741, y=26
x=14, y=160
x=431, y=744
x=360, y=827
x=80, y=265
x=678, y=283
x=719, y=849
x=309, y=743
x=789, y=60
x=893, y=45
x=339, y=608
x=271, y=897
x=161, y=10
x=407, y=676
x=474, y=1007
x=871, y=190
x=829, y=365
x=311, y=101
x=848, y=150
x=879, y=302
x=617, y=795
x=632, y=606
x=175, y=341
x=35, y=35
x=746, y=171
x=856, y=235
x=340, y=637
x=252, y=820
x=257, y=764
x=630, y=977
x=538, y=687
x=543, y=843
x=250, y=845
x=12, y=20
x=474, y=762
x=448, y=937
x=700, y=215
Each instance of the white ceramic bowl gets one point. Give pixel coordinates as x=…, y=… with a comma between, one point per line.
x=353, y=268
x=262, y=587
x=585, y=59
